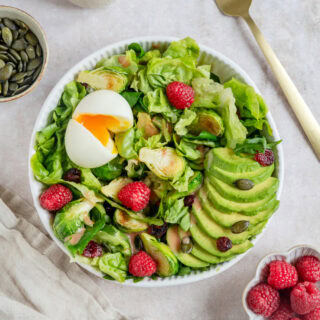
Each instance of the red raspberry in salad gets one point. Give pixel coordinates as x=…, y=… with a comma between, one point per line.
x=313, y=315
x=284, y=312
x=142, y=265
x=263, y=299
x=266, y=158
x=180, y=95
x=135, y=195
x=282, y=275
x=308, y=268
x=92, y=250
x=55, y=197
x=304, y=298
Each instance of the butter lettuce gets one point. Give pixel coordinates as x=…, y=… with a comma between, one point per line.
x=183, y=48
x=185, y=120
x=114, y=265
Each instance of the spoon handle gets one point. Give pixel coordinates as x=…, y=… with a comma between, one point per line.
x=307, y=120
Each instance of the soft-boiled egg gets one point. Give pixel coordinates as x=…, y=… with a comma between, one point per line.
x=88, y=140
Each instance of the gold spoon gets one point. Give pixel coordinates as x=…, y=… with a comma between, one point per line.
x=240, y=8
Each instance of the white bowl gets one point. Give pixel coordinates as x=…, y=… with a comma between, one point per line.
x=35, y=27
x=222, y=66
x=261, y=275
x=90, y=3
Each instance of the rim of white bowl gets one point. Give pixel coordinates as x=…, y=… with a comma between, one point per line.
x=160, y=282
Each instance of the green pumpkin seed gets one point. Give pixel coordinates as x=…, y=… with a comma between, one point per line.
x=27, y=80
x=15, y=34
x=4, y=57
x=25, y=65
x=24, y=56
x=11, y=63
x=30, y=52
x=6, y=72
x=31, y=72
x=19, y=44
x=0, y=88
x=13, y=86
x=34, y=63
x=37, y=72
x=5, y=88
x=38, y=50
x=18, y=77
x=7, y=36
x=240, y=226
x=2, y=63
x=3, y=47
x=22, y=88
x=31, y=38
x=244, y=184
x=20, y=66
x=21, y=24
x=12, y=58
x=15, y=54
x=10, y=24
x=20, y=81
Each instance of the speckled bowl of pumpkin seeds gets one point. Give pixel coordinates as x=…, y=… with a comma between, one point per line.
x=23, y=53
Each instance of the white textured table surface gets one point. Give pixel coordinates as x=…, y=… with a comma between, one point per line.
x=293, y=29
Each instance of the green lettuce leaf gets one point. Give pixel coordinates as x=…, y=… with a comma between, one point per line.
x=254, y=145
x=140, y=81
x=185, y=120
x=135, y=168
x=114, y=265
x=186, y=149
x=178, y=213
x=181, y=183
x=110, y=170
x=186, y=47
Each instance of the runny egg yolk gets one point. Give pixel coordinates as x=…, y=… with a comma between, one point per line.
x=98, y=125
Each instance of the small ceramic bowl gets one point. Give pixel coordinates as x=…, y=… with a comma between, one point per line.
x=262, y=270
x=90, y=3
x=35, y=27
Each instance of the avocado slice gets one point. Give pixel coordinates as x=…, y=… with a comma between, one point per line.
x=102, y=78
x=167, y=263
x=226, y=159
x=128, y=224
x=258, y=192
x=256, y=177
x=202, y=254
x=215, y=231
x=210, y=245
x=227, y=220
x=174, y=242
x=228, y=206
x=207, y=120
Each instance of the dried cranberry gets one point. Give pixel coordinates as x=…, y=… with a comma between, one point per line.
x=109, y=209
x=188, y=200
x=224, y=244
x=73, y=175
x=85, y=84
x=266, y=158
x=158, y=231
x=92, y=250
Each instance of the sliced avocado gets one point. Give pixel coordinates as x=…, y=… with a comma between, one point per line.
x=225, y=205
x=227, y=220
x=207, y=120
x=226, y=159
x=215, y=231
x=127, y=223
x=257, y=176
x=258, y=192
x=209, y=244
x=204, y=255
x=167, y=263
x=146, y=125
x=102, y=78
x=174, y=243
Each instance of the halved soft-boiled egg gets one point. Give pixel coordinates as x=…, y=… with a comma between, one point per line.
x=88, y=137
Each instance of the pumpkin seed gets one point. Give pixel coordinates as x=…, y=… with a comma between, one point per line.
x=18, y=76
x=15, y=34
x=5, y=88
x=20, y=66
x=20, y=81
x=4, y=57
x=11, y=63
x=240, y=226
x=24, y=56
x=15, y=54
x=38, y=50
x=2, y=63
x=22, y=32
x=34, y=63
x=22, y=88
x=10, y=24
x=7, y=36
x=25, y=65
x=6, y=72
x=21, y=24
x=29, y=73
x=0, y=87
x=3, y=47
x=12, y=58
x=19, y=44
x=30, y=52
x=13, y=86
x=14, y=71
x=36, y=74
x=186, y=245
x=27, y=80
x=31, y=38
x=244, y=184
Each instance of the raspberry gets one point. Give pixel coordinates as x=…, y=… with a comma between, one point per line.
x=308, y=268
x=135, y=195
x=282, y=275
x=313, y=315
x=142, y=265
x=180, y=95
x=304, y=297
x=294, y=319
x=92, y=250
x=284, y=312
x=55, y=197
x=266, y=158
x=263, y=299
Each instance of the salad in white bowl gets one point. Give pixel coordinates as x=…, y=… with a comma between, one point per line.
x=151, y=167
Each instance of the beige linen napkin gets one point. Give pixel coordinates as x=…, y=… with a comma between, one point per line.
x=37, y=280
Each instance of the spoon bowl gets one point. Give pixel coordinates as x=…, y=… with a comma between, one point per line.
x=234, y=8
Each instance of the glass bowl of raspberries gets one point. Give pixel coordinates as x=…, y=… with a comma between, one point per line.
x=286, y=286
